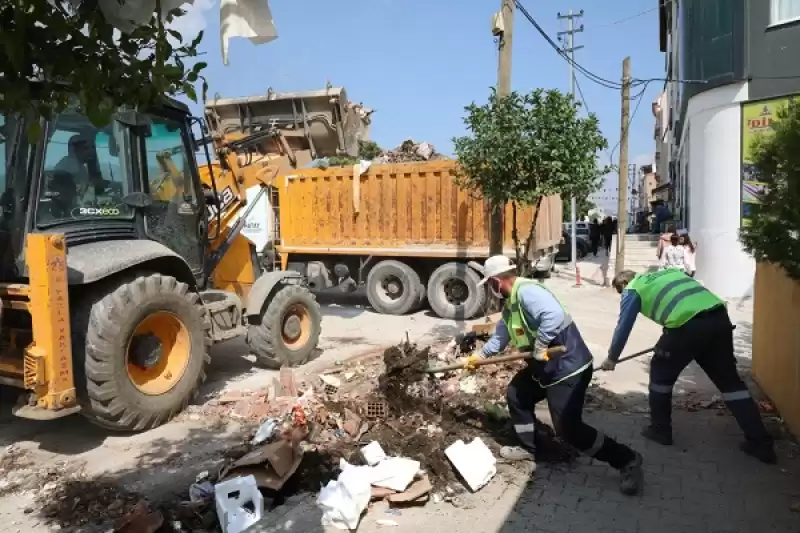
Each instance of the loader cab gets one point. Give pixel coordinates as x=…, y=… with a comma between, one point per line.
x=133, y=179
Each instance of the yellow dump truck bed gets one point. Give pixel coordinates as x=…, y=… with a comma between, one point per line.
x=410, y=209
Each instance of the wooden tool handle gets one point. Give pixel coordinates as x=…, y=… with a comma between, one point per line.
x=495, y=360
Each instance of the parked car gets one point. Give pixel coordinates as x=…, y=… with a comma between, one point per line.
x=565, y=247
x=581, y=229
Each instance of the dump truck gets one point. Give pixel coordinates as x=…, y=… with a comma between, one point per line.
x=406, y=233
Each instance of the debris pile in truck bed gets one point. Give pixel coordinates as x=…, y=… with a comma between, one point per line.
x=409, y=151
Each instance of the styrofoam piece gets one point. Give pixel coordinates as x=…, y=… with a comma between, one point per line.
x=231, y=497
x=373, y=453
x=474, y=461
x=344, y=501
x=395, y=473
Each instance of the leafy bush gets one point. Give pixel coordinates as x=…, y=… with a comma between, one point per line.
x=774, y=232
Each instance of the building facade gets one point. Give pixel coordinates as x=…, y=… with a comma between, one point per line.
x=732, y=64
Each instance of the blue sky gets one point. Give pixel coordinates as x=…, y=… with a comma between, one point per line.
x=418, y=63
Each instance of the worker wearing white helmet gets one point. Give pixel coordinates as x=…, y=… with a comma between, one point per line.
x=534, y=320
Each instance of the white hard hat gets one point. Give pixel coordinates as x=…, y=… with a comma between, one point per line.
x=496, y=265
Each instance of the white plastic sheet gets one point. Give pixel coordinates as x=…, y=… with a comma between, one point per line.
x=344, y=501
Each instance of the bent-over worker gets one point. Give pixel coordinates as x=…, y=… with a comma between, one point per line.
x=534, y=320
x=696, y=327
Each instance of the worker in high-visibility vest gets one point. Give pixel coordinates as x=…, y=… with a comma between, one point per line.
x=534, y=320
x=696, y=327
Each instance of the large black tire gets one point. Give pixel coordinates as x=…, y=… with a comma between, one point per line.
x=106, y=349
x=287, y=333
x=454, y=293
x=393, y=288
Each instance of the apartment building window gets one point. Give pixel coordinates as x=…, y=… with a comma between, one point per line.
x=784, y=11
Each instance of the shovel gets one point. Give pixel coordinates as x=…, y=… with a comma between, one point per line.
x=631, y=356
x=493, y=360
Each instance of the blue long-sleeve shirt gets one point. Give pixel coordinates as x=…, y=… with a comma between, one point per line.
x=542, y=312
x=629, y=309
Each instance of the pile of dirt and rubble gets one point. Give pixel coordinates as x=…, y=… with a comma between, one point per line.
x=410, y=151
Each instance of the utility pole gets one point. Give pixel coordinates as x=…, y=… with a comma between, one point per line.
x=570, y=48
x=503, y=29
x=622, y=209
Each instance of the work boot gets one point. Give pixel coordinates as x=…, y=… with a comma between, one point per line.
x=764, y=451
x=659, y=436
x=516, y=453
x=632, y=477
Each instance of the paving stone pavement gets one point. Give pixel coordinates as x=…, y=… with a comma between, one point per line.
x=703, y=483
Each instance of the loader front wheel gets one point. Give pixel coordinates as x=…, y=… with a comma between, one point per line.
x=287, y=332
x=143, y=353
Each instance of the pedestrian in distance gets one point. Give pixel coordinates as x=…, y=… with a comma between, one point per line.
x=595, y=234
x=608, y=229
x=534, y=320
x=689, y=253
x=673, y=255
x=696, y=328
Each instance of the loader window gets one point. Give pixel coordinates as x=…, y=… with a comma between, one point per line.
x=174, y=217
x=85, y=173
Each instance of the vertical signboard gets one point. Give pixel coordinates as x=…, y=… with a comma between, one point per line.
x=757, y=119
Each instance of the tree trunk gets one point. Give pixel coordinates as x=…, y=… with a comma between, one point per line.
x=515, y=237
x=525, y=269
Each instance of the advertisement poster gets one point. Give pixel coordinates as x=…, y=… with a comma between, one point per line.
x=757, y=119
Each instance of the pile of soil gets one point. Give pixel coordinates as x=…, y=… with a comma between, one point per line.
x=422, y=421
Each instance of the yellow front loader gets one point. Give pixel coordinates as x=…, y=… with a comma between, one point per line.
x=119, y=268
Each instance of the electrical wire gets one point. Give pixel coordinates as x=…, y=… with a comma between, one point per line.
x=626, y=19
x=609, y=84
x=583, y=98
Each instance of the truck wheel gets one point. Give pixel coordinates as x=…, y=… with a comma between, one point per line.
x=454, y=293
x=288, y=331
x=141, y=352
x=393, y=288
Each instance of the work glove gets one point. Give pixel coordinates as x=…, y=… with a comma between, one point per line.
x=469, y=362
x=608, y=365
x=540, y=351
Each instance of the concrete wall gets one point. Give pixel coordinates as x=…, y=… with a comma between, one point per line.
x=711, y=157
x=771, y=53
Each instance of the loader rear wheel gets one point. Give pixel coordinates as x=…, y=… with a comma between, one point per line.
x=143, y=351
x=287, y=332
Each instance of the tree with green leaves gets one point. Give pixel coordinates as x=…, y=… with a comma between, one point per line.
x=57, y=52
x=523, y=147
x=773, y=234
x=583, y=205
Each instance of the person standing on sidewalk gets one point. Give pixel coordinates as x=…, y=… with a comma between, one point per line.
x=696, y=327
x=534, y=320
x=608, y=231
x=594, y=236
x=689, y=253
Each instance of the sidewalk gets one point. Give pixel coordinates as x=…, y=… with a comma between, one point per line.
x=701, y=484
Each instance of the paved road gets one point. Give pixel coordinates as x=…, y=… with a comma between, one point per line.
x=701, y=484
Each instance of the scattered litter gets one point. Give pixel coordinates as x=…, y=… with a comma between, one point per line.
x=239, y=504
x=417, y=492
x=266, y=431
x=332, y=384
x=270, y=465
x=373, y=453
x=201, y=492
x=344, y=500
x=474, y=461
x=395, y=473
x=386, y=523
x=469, y=385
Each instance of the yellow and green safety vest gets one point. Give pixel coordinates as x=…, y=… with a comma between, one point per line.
x=670, y=298
x=521, y=335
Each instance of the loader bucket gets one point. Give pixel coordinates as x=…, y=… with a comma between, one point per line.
x=322, y=123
